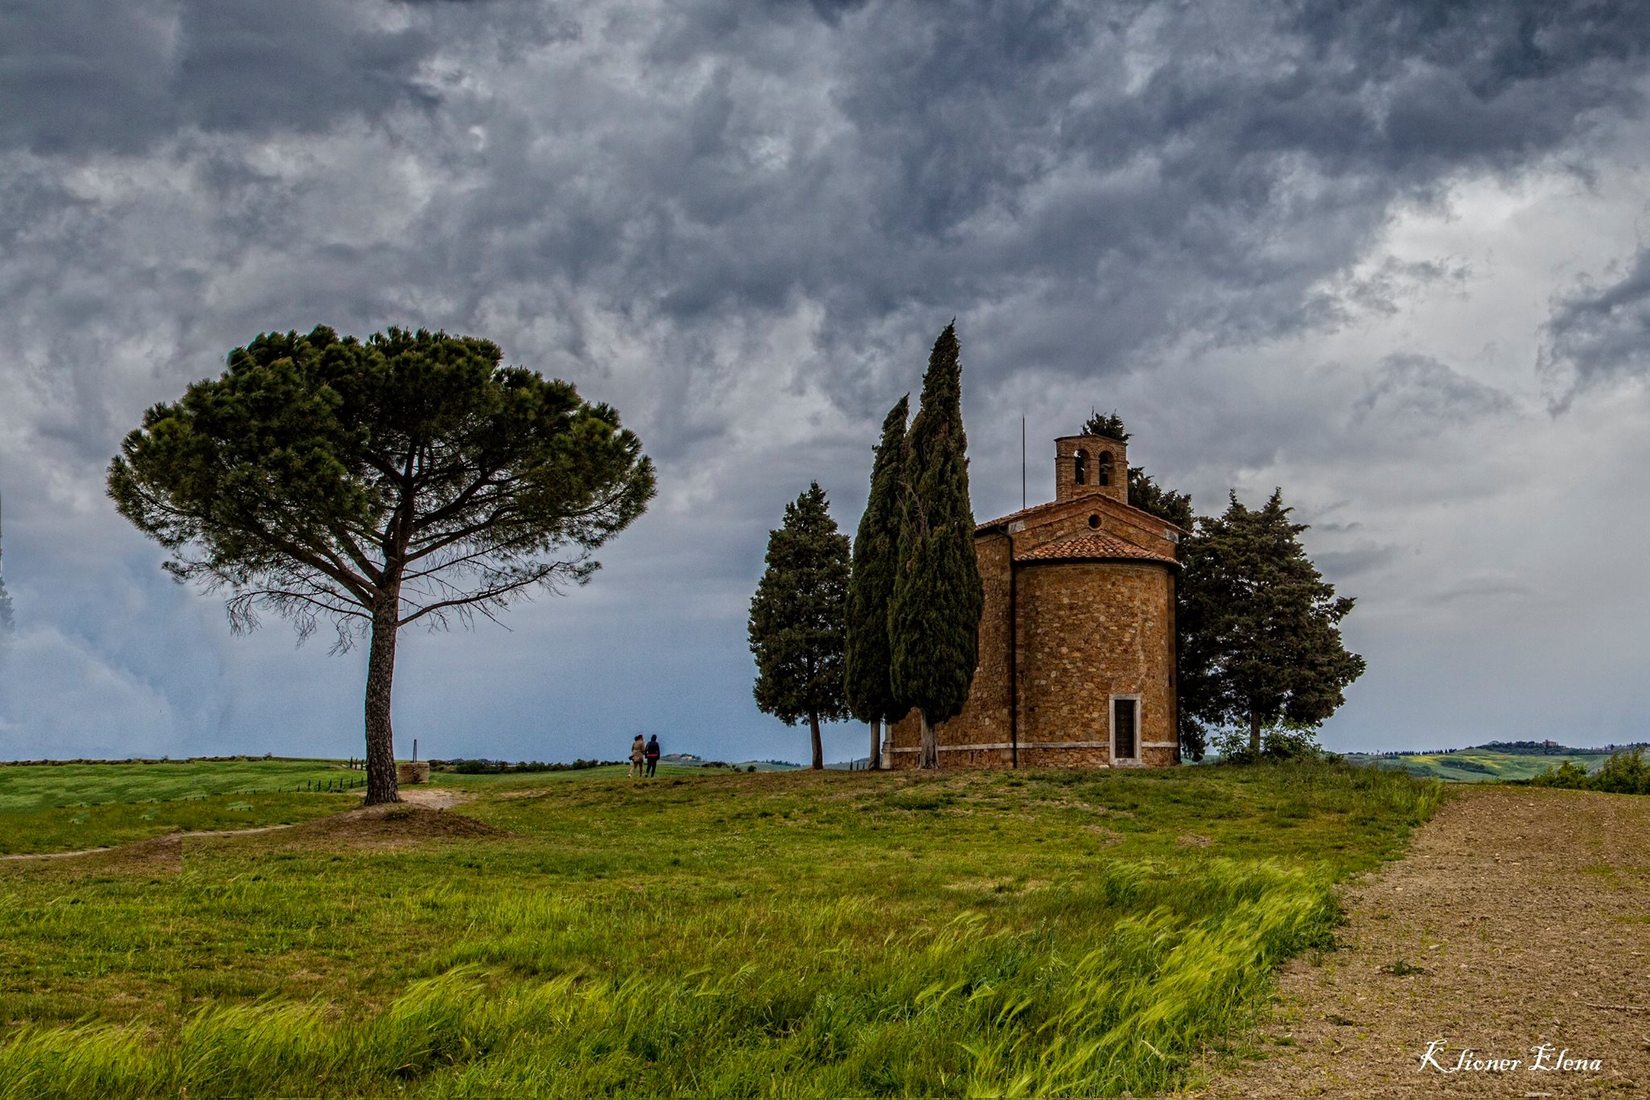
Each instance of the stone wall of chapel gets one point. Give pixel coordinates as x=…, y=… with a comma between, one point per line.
x=984, y=717
x=1091, y=630
x=1088, y=630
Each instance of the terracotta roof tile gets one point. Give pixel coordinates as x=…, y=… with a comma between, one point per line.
x=1095, y=547
x=1050, y=505
x=1016, y=515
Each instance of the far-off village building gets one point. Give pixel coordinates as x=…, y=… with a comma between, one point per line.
x=1076, y=650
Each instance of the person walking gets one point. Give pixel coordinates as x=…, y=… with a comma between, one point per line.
x=652, y=754
x=638, y=753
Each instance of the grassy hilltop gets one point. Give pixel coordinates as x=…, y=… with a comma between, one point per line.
x=1495, y=762
x=720, y=934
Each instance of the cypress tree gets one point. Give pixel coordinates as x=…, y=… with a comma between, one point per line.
x=1260, y=625
x=798, y=622
x=934, y=619
x=870, y=687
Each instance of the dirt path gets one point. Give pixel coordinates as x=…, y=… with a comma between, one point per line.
x=1521, y=916
x=434, y=798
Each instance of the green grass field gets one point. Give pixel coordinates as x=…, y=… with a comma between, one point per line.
x=1477, y=765
x=706, y=934
x=64, y=807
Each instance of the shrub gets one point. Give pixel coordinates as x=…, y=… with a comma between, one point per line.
x=1279, y=743
x=1626, y=772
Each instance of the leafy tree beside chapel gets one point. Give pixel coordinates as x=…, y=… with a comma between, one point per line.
x=798, y=619
x=1258, y=651
x=1261, y=646
x=1164, y=503
x=375, y=484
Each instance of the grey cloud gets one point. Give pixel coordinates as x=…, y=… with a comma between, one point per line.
x=1363, y=557
x=1416, y=394
x=1482, y=586
x=1599, y=333
x=1393, y=284
x=1128, y=179
x=79, y=76
x=743, y=225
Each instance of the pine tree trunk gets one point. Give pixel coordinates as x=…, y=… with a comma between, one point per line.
x=874, y=761
x=930, y=743
x=819, y=750
x=1254, y=734
x=381, y=785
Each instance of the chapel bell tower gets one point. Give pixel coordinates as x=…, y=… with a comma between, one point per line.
x=1088, y=465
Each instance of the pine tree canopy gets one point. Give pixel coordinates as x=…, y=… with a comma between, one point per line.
x=798, y=615
x=376, y=483
x=1262, y=643
x=871, y=587
x=935, y=616
x=320, y=473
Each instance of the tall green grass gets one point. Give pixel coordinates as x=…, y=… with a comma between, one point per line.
x=65, y=807
x=966, y=1009
x=988, y=935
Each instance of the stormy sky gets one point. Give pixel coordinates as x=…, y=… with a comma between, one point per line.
x=1387, y=255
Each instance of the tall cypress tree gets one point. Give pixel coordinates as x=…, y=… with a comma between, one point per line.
x=934, y=620
x=871, y=589
x=798, y=618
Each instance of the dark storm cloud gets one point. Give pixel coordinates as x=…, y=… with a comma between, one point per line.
x=1600, y=333
x=743, y=224
x=82, y=76
x=1094, y=183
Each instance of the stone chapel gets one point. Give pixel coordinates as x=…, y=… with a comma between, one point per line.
x=1076, y=646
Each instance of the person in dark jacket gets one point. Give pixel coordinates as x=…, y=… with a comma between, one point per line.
x=652, y=754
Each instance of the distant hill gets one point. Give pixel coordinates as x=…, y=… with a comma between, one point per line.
x=693, y=760
x=1497, y=760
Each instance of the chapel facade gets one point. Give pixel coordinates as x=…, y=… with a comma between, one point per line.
x=1077, y=636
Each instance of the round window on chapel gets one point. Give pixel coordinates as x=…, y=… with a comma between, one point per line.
x=1094, y=521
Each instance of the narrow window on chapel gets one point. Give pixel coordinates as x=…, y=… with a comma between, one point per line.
x=1081, y=463
x=1105, y=467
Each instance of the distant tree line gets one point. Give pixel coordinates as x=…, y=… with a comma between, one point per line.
x=461, y=766
x=1549, y=748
